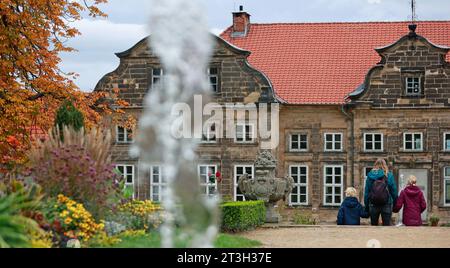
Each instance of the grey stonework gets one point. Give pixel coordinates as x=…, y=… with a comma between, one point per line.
x=379, y=105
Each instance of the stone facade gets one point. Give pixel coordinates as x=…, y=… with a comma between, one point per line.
x=381, y=105
x=384, y=106
x=238, y=82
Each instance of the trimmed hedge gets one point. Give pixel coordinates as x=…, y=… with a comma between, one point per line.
x=242, y=216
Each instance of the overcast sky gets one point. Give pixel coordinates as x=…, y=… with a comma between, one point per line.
x=126, y=24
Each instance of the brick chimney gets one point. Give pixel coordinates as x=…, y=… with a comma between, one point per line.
x=241, y=23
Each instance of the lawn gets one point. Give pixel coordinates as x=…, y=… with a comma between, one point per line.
x=153, y=240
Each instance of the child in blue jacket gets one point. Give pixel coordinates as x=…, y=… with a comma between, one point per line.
x=351, y=210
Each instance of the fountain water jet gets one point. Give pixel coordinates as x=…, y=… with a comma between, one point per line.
x=181, y=39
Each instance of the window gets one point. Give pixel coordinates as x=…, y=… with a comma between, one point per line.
x=366, y=172
x=447, y=141
x=240, y=170
x=158, y=183
x=333, y=142
x=207, y=175
x=447, y=186
x=209, y=133
x=413, y=86
x=299, y=195
x=124, y=135
x=373, y=142
x=333, y=185
x=412, y=142
x=213, y=75
x=127, y=172
x=244, y=133
x=298, y=142
x=157, y=74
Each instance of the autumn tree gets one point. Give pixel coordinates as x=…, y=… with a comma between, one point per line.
x=32, y=86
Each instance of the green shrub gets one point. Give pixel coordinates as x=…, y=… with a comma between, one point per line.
x=242, y=216
x=303, y=219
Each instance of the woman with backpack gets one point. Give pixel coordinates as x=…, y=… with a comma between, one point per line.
x=413, y=203
x=380, y=193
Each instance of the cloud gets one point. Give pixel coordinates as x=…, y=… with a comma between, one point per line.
x=374, y=1
x=96, y=46
x=216, y=31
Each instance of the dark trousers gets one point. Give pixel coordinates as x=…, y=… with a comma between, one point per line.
x=385, y=212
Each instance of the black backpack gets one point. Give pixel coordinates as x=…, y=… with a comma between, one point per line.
x=379, y=193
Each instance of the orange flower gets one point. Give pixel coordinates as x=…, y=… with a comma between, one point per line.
x=13, y=141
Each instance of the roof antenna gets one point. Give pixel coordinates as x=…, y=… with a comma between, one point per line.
x=413, y=12
x=413, y=26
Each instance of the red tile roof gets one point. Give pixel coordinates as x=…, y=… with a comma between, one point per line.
x=320, y=63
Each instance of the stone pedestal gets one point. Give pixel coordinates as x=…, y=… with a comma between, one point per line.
x=264, y=186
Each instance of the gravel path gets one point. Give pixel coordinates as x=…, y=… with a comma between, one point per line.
x=352, y=237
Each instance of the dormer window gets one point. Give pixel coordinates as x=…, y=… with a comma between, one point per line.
x=413, y=86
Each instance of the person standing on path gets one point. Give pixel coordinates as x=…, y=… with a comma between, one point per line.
x=413, y=203
x=380, y=193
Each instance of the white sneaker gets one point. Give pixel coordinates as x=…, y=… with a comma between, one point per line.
x=399, y=225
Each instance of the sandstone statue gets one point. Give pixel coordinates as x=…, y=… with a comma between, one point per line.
x=264, y=186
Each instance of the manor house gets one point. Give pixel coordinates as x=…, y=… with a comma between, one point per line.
x=349, y=93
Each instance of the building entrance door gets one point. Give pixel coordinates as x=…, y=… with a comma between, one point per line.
x=422, y=183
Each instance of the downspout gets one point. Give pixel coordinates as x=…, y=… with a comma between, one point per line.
x=350, y=116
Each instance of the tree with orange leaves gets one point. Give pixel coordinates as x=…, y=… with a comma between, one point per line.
x=32, y=35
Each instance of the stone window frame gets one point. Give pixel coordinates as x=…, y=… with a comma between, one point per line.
x=125, y=173
x=366, y=170
x=333, y=141
x=407, y=73
x=253, y=136
x=446, y=179
x=206, y=135
x=161, y=183
x=217, y=76
x=207, y=184
x=235, y=179
x=291, y=141
x=127, y=135
x=422, y=149
x=444, y=139
x=299, y=185
x=373, y=142
x=333, y=185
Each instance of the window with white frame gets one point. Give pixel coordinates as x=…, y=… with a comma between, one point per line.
x=207, y=175
x=298, y=142
x=447, y=141
x=124, y=135
x=213, y=75
x=447, y=186
x=333, y=185
x=244, y=133
x=333, y=142
x=299, y=195
x=157, y=75
x=209, y=133
x=127, y=172
x=413, y=141
x=240, y=170
x=373, y=142
x=413, y=86
x=158, y=183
